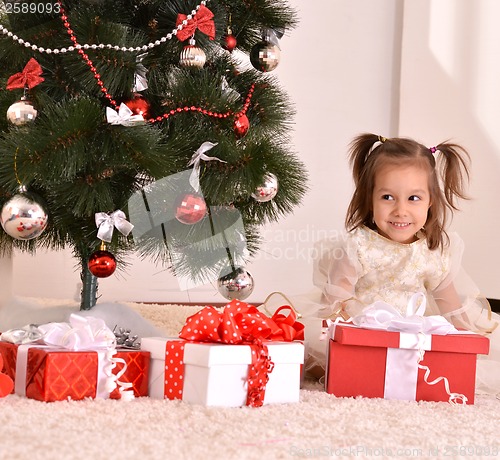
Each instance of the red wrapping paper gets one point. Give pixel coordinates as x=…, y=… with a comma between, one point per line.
x=6, y=383
x=357, y=360
x=59, y=375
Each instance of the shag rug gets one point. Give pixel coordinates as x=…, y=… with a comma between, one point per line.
x=319, y=426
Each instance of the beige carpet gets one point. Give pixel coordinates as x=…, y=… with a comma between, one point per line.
x=319, y=426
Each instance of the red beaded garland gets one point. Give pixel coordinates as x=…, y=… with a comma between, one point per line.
x=84, y=56
x=241, y=124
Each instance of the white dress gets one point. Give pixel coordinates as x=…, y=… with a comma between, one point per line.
x=361, y=267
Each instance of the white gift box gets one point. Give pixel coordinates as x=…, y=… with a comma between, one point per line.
x=216, y=374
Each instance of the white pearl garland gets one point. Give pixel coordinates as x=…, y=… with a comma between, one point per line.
x=86, y=46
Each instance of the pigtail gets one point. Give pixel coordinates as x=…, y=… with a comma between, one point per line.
x=453, y=168
x=359, y=210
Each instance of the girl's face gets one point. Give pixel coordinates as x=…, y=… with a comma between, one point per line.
x=400, y=201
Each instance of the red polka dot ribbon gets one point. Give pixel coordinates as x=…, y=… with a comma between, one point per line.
x=174, y=369
x=238, y=324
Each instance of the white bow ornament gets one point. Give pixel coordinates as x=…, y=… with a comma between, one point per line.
x=107, y=222
x=199, y=155
x=124, y=116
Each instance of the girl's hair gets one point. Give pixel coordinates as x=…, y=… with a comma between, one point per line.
x=369, y=153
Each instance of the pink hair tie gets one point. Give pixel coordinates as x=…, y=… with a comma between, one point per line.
x=433, y=149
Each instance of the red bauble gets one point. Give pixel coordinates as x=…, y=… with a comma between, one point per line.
x=139, y=106
x=229, y=42
x=102, y=264
x=190, y=209
x=241, y=125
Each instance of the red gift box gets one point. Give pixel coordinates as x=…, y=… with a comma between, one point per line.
x=385, y=364
x=58, y=374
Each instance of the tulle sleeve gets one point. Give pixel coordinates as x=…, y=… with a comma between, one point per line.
x=458, y=298
x=336, y=271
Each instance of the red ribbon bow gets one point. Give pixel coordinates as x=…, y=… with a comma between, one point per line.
x=241, y=323
x=29, y=77
x=202, y=21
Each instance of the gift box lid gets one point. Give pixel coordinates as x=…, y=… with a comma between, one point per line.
x=463, y=342
x=213, y=354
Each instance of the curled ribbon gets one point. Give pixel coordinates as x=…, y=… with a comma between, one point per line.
x=202, y=21
x=198, y=156
x=383, y=316
x=241, y=323
x=107, y=222
x=28, y=78
x=124, y=116
x=454, y=398
x=125, y=388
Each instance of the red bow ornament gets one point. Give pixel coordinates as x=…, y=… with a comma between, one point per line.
x=28, y=78
x=202, y=21
x=241, y=323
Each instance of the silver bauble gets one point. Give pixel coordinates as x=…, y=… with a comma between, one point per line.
x=21, y=112
x=23, y=217
x=265, y=56
x=192, y=56
x=268, y=190
x=237, y=284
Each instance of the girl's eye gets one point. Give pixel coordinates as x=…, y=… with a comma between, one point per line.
x=387, y=197
x=414, y=198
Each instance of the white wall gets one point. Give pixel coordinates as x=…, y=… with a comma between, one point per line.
x=5, y=279
x=341, y=68
x=450, y=88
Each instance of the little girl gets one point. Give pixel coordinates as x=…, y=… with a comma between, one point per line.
x=397, y=244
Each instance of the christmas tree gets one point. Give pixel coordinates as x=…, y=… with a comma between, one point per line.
x=132, y=125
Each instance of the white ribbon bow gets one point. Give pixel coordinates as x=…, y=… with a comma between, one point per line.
x=382, y=316
x=124, y=116
x=107, y=222
x=199, y=155
x=81, y=333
